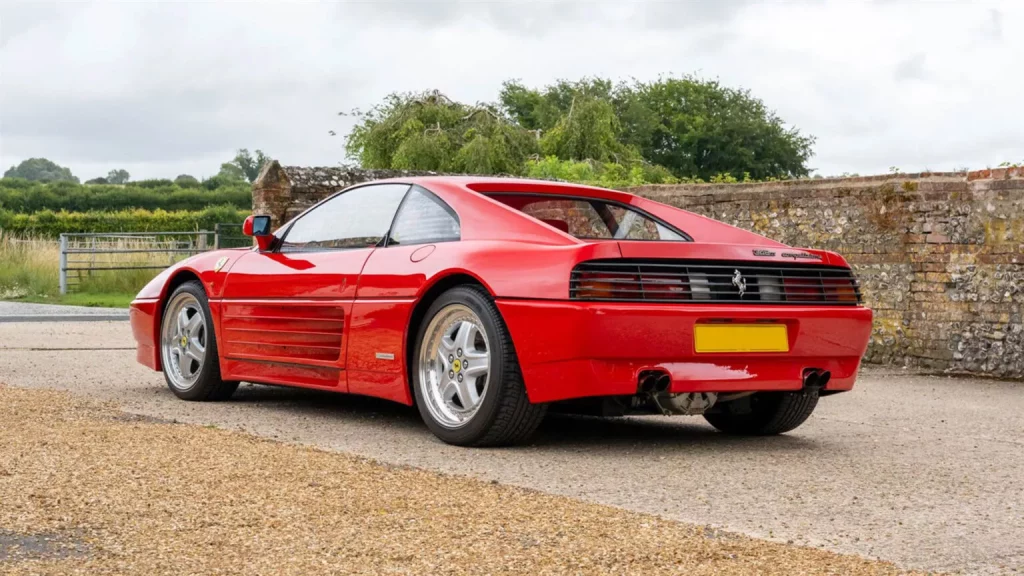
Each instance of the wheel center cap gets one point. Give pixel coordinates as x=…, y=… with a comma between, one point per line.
x=184, y=341
x=457, y=365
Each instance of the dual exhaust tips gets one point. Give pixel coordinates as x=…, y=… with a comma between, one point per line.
x=651, y=381
x=816, y=378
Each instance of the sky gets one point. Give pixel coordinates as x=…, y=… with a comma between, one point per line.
x=172, y=88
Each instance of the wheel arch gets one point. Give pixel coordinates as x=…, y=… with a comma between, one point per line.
x=177, y=279
x=419, y=312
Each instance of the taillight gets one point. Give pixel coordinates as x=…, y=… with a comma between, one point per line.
x=607, y=286
x=802, y=289
x=840, y=289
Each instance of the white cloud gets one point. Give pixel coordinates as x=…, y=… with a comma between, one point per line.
x=171, y=88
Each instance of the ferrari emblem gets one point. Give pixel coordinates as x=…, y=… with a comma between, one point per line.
x=457, y=365
x=220, y=264
x=739, y=282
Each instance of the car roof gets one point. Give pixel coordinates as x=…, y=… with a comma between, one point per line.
x=491, y=184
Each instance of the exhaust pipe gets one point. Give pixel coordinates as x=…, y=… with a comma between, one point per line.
x=663, y=383
x=823, y=378
x=811, y=379
x=816, y=378
x=648, y=383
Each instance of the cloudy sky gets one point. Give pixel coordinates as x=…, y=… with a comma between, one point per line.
x=164, y=89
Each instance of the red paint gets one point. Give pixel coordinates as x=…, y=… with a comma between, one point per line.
x=339, y=320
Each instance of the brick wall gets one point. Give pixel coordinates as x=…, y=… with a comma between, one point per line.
x=940, y=256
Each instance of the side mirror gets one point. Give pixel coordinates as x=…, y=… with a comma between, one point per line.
x=259, y=228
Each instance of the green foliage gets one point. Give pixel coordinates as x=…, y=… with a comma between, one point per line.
x=153, y=183
x=430, y=132
x=593, y=173
x=186, y=181
x=22, y=196
x=249, y=164
x=40, y=170
x=47, y=223
x=231, y=172
x=97, y=180
x=119, y=176
x=697, y=129
x=690, y=128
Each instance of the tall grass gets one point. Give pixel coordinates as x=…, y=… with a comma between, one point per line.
x=30, y=267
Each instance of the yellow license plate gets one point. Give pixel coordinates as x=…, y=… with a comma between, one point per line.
x=740, y=338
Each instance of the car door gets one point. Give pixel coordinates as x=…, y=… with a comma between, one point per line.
x=420, y=244
x=285, y=313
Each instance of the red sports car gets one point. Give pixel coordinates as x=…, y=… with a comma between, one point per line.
x=485, y=301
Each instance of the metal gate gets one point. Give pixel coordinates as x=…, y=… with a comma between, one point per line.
x=84, y=254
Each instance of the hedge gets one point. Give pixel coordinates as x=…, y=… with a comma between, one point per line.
x=47, y=223
x=25, y=197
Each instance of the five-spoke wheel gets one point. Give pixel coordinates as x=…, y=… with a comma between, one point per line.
x=454, y=364
x=183, y=342
x=467, y=382
x=188, y=347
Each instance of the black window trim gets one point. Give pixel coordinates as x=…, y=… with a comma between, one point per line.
x=291, y=223
x=686, y=237
x=437, y=200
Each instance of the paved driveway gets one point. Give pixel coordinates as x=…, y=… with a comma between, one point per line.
x=924, y=471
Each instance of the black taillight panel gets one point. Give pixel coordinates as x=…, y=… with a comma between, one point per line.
x=711, y=282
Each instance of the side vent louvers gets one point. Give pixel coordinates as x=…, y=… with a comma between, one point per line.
x=700, y=281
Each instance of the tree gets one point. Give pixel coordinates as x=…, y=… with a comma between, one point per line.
x=97, y=180
x=118, y=176
x=229, y=171
x=249, y=165
x=695, y=128
x=429, y=131
x=700, y=129
x=40, y=170
x=186, y=181
x=673, y=128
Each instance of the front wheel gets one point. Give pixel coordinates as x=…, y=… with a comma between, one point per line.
x=188, y=347
x=466, y=378
x=764, y=413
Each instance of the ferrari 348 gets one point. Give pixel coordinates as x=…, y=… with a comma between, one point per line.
x=486, y=301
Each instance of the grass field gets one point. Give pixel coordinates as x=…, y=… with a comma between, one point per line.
x=30, y=272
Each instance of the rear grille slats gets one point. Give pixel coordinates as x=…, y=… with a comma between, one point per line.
x=713, y=282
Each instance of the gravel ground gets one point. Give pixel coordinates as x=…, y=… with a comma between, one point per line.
x=28, y=312
x=927, y=472
x=117, y=495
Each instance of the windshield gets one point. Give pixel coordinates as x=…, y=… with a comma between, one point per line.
x=590, y=218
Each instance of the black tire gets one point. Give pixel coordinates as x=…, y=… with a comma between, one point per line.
x=209, y=386
x=764, y=413
x=505, y=416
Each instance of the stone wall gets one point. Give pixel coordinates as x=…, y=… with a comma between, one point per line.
x=285, y=191
x=940, y=256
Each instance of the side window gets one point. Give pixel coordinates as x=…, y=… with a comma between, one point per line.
x=355, y=219
x=424, y=218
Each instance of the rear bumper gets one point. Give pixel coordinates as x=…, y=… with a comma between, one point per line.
x=578, y=349
x=142, y=313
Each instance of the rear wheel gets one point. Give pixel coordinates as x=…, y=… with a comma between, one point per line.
x=466, y=378
x=188, y=347
x=764, y=413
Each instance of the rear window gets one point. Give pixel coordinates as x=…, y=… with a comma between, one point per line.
x=590, y=218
